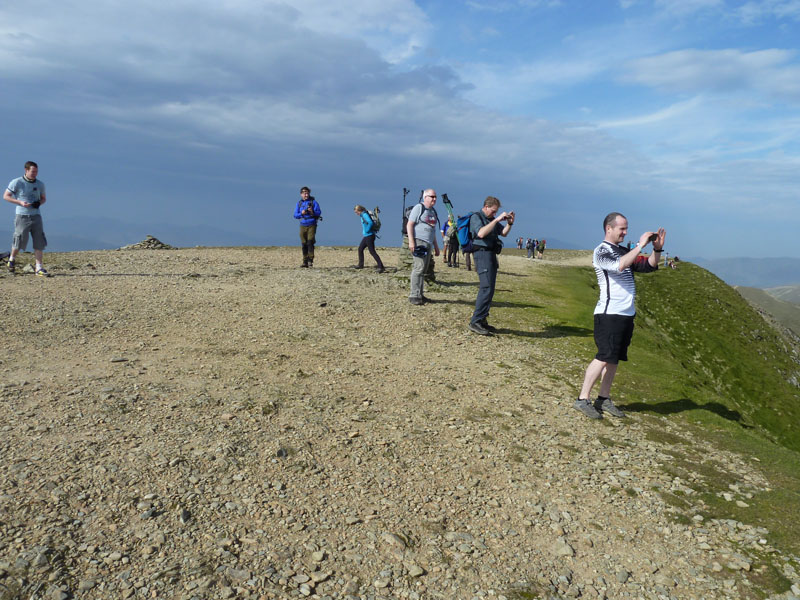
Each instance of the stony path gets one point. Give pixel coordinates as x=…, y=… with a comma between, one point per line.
x=217, y=423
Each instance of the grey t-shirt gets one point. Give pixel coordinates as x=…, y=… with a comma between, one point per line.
x=424, y=220
x=27, y=191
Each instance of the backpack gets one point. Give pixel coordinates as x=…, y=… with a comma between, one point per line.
x=376, y=220
x=464, y=234
x=407, y=213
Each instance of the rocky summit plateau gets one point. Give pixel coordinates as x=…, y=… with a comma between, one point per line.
x=218, y=423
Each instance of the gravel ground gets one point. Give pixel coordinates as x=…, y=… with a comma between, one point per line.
x=218, y=423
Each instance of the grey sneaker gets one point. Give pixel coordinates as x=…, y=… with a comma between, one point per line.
x=585, y=406
x=416, y=301
x=606, y=405
x=486, y=326
x=479, y=329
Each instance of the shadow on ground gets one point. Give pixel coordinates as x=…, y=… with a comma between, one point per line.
x=551, y=331
x=671, y=407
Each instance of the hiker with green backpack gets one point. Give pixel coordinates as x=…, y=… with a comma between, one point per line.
x=370, y=225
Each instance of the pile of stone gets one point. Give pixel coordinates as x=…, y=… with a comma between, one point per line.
x=149, y=243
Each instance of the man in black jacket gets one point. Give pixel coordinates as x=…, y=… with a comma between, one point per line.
x=486, y=227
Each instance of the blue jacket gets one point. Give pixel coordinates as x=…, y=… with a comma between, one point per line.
x=306, y=204
x=366, y=224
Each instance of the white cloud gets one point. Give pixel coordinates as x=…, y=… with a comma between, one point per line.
x=769, y=72
x=666, y=114
x=508, y=87
x=753, y=12
x=688, y=7
x=396, y=28
x=498, y=6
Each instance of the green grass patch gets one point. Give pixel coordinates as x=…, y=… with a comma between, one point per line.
x=701, y=358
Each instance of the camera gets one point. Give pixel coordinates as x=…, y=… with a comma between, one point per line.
x=36, y=204
x=420, y=251
x=653, y=237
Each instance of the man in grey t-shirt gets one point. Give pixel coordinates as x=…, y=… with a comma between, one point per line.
x=422, y=230
x=27, y=193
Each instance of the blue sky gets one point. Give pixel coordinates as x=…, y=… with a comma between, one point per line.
x=199, y=120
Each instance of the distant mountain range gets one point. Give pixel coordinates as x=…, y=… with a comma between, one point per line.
x=754, y=272
x=74, y=234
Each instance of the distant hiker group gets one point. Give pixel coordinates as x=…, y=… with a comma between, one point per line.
x=477, y=235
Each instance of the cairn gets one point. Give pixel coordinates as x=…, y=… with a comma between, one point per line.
x=149, y=243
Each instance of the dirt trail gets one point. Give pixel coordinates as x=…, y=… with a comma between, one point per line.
x=218, y=423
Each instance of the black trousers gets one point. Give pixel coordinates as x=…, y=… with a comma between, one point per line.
x=368, y=241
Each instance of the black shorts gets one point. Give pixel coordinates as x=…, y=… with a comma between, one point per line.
x=612, y=335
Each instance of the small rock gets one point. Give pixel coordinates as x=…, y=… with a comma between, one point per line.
x=622, y=576
x=382, y=583
x=393, y=540
x=40, y=560
x=319, y=576
x=665, y=581
x=415, y=570
x=318, y=556
x=562, y=548
x=239, y=574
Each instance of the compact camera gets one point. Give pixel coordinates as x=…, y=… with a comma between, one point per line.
x=653, y=237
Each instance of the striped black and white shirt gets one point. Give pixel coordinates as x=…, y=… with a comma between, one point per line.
x=617, y=288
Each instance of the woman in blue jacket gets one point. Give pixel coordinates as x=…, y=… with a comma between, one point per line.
x=368, y=241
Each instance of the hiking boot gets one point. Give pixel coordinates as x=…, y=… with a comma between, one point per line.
x=11, y=267
x=42, y=273
x=585, y=406
x=479, y=329
x=356, y=266
x=606, y=405
x=416, y=301
x=381, y=270
x=488, y=327
x=305, y=264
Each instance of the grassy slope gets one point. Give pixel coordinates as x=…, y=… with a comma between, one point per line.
x=701, y=356
x=787, y=293
x=785, y=312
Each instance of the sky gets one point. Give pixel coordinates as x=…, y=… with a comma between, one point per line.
x=198, y=121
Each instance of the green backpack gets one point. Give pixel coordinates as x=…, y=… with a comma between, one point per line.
x=376, y=220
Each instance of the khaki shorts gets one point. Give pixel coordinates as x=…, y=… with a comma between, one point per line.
x=25, y=225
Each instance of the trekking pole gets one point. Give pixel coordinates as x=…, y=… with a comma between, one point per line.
x=449, y=206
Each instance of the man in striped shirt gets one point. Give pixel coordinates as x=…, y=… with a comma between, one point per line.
x=614, y=265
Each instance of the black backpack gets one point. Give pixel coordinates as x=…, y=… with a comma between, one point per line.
x=407, y=213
